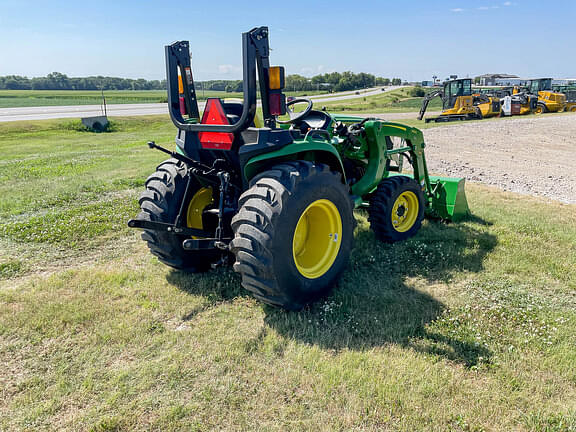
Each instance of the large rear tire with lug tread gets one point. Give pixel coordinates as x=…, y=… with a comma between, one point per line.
x=293, y=233
x=396, y=209
x=161, y=202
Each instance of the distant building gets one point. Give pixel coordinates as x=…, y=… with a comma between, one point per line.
x=564, y=81
x=498, y=79
x=509, y=81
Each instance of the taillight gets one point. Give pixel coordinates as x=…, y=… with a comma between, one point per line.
x=276, y=77
x=276, y=99
x=214, y=114
x=277, y=102
x=182, y=105
x=181, y=96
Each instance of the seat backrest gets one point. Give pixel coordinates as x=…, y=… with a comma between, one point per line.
x=314, y=120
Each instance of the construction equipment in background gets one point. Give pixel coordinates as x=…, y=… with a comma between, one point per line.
x=548, y=100
x=569, y=91
x=278, y=200
x=459, y=103
x=522, y=101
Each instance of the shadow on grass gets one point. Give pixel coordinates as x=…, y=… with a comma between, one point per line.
x=377, y=301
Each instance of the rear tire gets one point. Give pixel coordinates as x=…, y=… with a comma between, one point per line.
x=285, y=247
x=396, y=209
x=161, y=203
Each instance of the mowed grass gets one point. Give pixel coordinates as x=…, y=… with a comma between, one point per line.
x=469, y=326
x=393, y=101
x=33, y=98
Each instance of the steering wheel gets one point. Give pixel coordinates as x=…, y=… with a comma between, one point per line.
x=294, y=117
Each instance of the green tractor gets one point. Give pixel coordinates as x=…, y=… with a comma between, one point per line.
x=276, y=195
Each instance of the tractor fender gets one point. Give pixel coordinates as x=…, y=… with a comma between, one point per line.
x=310, y=150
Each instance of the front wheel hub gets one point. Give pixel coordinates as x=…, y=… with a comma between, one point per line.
x=405, y=211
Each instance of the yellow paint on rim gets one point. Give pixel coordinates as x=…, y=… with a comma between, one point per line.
x=201, y=199
x=405, y=211
x=539, y=110
x=317, y=239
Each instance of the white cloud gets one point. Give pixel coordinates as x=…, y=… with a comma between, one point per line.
x=228, y=69
x=310, y=71
x=457, y=10
x=507, y=3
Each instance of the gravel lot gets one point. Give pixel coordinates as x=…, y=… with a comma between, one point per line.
x=529, y=155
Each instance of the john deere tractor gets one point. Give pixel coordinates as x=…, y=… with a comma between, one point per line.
x=278, y=200
x=460, y=103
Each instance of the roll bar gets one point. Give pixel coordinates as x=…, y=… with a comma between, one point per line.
x=255, y=53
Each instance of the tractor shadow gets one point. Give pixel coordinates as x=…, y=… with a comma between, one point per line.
x=380, y=298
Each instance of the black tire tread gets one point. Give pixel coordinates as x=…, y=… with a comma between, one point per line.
x=380, y=204
x=254, y=226
x=160, y=203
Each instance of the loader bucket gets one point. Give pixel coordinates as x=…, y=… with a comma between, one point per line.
x=449, y=198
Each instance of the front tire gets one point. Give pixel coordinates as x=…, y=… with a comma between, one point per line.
x=541, y=109
x=396, y=209
x=293, y=233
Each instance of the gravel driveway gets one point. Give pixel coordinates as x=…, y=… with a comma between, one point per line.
x=530, y=155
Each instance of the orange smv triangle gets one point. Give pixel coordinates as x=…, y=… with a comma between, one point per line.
x=214, y=114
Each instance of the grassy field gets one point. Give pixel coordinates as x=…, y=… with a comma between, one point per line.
x=468, y=326
x=32, y=98
x=393, y=101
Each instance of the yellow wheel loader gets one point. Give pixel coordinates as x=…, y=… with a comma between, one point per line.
x=548, y=100
x=570, y=92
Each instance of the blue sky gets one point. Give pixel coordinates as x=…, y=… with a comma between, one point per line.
x=409, y=39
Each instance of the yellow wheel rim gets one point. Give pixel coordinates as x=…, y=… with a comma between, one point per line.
x=317, y=239
x=539, y=110
x=405, y=211
x=201, y=199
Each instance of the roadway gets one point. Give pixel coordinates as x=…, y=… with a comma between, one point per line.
x=128, y=110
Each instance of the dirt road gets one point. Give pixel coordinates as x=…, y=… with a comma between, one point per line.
x=531, y=155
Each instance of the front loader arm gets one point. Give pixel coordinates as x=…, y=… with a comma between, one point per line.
x=376, y=133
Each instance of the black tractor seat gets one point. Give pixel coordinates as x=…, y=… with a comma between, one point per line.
x=314, y=120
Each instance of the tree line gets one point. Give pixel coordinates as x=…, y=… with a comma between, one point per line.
x=60, y=81
x=334, y=82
